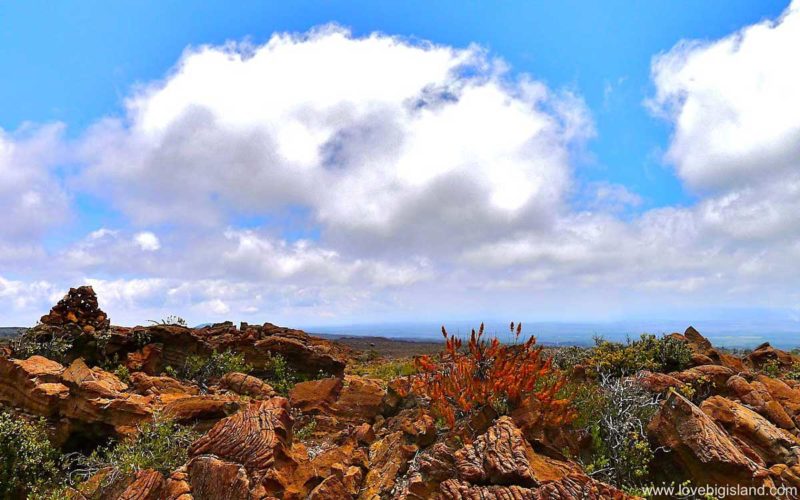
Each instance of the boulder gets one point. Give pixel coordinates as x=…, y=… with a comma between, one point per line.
x=147, y=385
x=212, y=478
x=502, y=464
x=247, y=385
x=388, y=461
x=258, y=438
x=765, y=353
x=773, y=445
x=339, y=402
x=96, y=396
x=202, y=409
x=757, y=397
x=658, y=383
x=716, y=375
x=33, y=384
x=149, y=359
x=703, y=450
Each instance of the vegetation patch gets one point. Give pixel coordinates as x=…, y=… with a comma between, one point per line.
x=28, y=462
x=487, y=373
x=160, y=444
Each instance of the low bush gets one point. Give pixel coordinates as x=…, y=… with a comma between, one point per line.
x=28, y=462
x=616, y=415
x=160, y=444
x=171, y=320
x=771, y=368
x=664, y=354
x=32, y=343
x=279, y=374
x=487, y=373
x=566, y=358
x=794, y=372
x=202, y=369
x=386, y=370
x=122, y=373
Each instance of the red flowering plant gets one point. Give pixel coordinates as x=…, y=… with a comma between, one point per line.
x=463, y=380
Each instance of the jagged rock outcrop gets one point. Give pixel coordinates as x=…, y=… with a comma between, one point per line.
x=502, y=464
x=32, y=384
x=658, y=382
x=258, y=438
x=773, y=445
x=337, y=402
x=765, y=353
x=257, y=343
x=147, y=385
x=703, y=450
x=96, y=396
x=716, y=375
x=247, y=385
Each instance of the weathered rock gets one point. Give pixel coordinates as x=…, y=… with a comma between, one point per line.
x=149, y=359
x=33, y=384
x=453, y=489
x=388, y=460
x=146, y=385
x=147, y=485
x=658, y=382
x=203, y=409
x=434, y=465
x=773, y=445
x=247, y=385
x=699, y=343
x=211, y=478
x=418, y=426
x=757, y=396
x=359, y=400
x=329, y=488
x=96, y=396
x=305, y=353
x=765, y=353
x=717, y=375
x=579, y=487
x=339, y=402
x=503, y=456
x=502, y=464
x=788, y=397
x=705, y=452
x=258, y=438
x=316, y=396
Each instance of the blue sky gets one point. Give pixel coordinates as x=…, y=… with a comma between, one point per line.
x=76, y=62
x=72, y=70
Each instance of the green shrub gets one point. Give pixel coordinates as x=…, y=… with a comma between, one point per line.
x=649, y=352
x=771, y=368
x=620, y=451
x=32, y=343
x=794, y=372
x=279, y=374
x=202, y=369
x=160, y=444
x=123, y=373
x=171, y=320
x=28, y=462
x=387, y=370
x=567, y=358
x=305, y=432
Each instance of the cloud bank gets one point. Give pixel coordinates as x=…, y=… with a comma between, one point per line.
x=323, y=177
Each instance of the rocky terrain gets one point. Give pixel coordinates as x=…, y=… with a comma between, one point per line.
x=344, y=426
